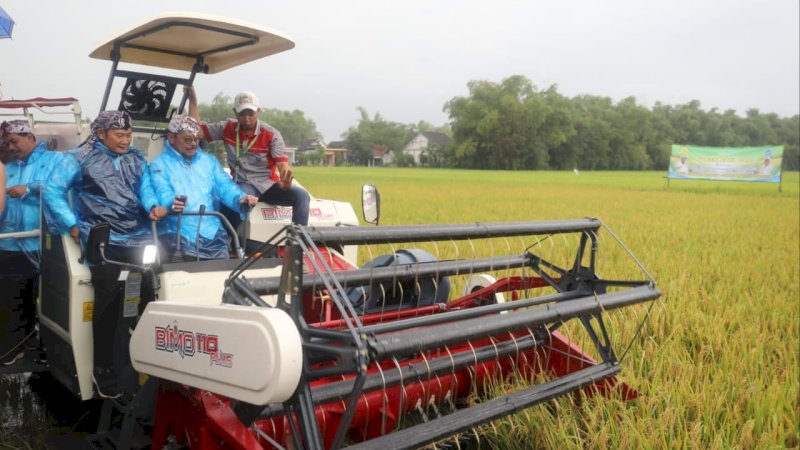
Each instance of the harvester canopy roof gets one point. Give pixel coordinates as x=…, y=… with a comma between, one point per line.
x=37, y=102
x=175, y=40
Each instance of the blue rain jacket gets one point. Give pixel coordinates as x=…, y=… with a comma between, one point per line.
x=105, y=187
x=22, y=214
x=203, y=182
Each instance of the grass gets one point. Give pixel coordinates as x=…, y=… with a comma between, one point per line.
x=719, y=364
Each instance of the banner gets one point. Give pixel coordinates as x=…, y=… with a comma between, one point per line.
x=726, y=163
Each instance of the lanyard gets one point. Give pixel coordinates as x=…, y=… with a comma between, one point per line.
x=238, y=144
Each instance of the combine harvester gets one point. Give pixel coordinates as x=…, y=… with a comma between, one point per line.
x=297, y=346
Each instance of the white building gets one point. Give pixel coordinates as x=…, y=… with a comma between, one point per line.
x=423, y=142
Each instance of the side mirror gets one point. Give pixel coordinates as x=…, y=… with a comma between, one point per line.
x=371, y=204
x=149, y=255
x=98, y=236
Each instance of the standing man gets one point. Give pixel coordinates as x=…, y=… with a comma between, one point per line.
x=110, y=183
x=29, y=168
x=256, y=155
x=183, y=169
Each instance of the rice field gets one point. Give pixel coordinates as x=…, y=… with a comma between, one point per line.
x=717, y=366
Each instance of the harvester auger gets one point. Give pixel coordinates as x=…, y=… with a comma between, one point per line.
x=394, y=352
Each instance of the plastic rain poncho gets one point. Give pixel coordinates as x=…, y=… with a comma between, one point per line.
x=203, y=181
x=22, y=214
x=106, y=187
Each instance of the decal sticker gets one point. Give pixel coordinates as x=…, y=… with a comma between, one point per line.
x=188, y=344
x=276, y=213
x=318, y=215
x=88, y=311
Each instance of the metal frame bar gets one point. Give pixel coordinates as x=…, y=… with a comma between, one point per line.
x=465, y=419
x=452, y=232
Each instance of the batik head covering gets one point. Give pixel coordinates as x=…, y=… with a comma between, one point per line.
x=108, y=120
x=16, y=127
x=183, y=124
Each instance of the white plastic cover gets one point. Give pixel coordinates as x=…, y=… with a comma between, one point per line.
x=245, y=353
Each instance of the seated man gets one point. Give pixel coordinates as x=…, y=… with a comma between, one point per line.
x=110, y=183
x=183, y=169
x=28, y=169
x=256, y=155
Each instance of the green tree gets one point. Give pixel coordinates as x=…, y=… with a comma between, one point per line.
x=512, y=125
x=789, y=133
x=221, y=108
x=376, y=132
x=426, y=126
x=509, y=125
x=293, y=125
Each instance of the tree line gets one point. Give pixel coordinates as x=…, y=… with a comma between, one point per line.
x=513, y=125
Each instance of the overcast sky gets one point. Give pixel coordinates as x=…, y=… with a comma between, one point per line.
x=405, y=59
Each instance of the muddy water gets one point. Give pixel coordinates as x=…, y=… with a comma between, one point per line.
x=36, y=412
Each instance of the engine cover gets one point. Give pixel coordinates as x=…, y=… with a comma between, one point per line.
x=245, y=353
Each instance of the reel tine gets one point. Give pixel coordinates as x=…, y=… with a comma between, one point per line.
x=427, y=388
x=435, y=280
x=436, y=284
x=517, y=365
x=399, y=287
x=367, y=414
x=474, y=367
x=548, y=352
x=454, y=382
x=421, y=410
x=418, y=291
x=384, y=399
x=567, y=333
x=567, y=252
x=493, y=340
x=471, y=257
x=402, y=393
x=383, y=296
x=490, y=243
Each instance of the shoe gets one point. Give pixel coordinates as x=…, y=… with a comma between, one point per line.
x=32, y=342
x=13, y=359
x=109, y=392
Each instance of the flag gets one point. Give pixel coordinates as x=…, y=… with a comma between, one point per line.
x=6, y=24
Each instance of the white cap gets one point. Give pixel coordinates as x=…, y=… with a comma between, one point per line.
x=245, y=100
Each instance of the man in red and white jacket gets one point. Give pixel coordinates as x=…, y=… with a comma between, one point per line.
x=256, y=154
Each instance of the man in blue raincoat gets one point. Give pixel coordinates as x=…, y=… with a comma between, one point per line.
x=110, y=183
x=26, y=174
x=183, y=169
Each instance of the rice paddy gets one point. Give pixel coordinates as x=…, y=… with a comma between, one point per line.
x=717, y=365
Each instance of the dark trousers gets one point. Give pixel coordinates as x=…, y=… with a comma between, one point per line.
x=294, y=196
x=109, y=326
x=17, y=306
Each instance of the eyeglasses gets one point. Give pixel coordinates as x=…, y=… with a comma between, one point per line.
x=189, y=139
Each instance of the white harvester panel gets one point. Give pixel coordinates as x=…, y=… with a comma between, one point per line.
x=205, y=287
x=246, y=353
x=267, y=220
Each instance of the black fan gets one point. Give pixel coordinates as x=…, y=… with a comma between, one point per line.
x=146, y=99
